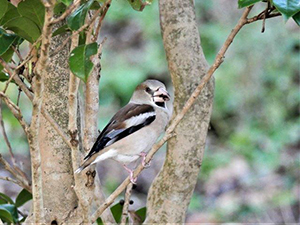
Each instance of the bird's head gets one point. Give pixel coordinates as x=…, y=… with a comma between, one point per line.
x=151, y=92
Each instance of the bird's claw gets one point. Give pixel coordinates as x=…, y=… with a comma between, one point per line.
x=146, y=165
x=132, y=179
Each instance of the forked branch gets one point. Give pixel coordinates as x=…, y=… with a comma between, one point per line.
x=169, y=132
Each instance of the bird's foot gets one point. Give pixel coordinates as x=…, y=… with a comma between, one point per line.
x=144, y=155
x=132, y=179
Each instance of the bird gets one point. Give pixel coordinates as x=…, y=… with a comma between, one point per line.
x=134, y=129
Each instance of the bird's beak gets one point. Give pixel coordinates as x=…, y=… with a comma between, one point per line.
x=161, y=95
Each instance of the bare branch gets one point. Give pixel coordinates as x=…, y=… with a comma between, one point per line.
x=262, y=16
x=126, y=204
x=105, y=9
x=5, y=135
x=18, y=53
x=15, y=111
x=21, y=180
x=15, y=72
x=42, y=63
x=26, y=90
x=12, y=180
x=179, y=116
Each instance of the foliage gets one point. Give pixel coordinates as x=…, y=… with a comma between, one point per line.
x=9, y=209
x=116, y=210
x=255, y=114
x=79, y=61
x=26, y=21
x=288, y=8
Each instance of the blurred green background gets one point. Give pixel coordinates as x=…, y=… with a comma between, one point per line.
x=250, y=172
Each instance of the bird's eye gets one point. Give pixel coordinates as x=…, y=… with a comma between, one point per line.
x=148, y=89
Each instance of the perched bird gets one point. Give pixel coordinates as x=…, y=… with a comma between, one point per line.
x=134, y=129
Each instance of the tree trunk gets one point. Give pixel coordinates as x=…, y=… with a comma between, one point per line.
x=56, y=155
x=171, y=191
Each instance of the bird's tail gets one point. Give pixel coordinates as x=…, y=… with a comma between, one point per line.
x=85, y=164
x=79, y=169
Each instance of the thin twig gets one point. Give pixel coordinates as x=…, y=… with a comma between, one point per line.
x=219, y=59
x=21, y=180
x=28, y=57
x=260, y=17
x=5, y=135
x=18, y=53
x=27, y=92
x=126, y=204
x=15, y=110
x=105, y=9
x=68, y=11
x=15, y=72
x=17, y=79
x=12, y=180
x=19, y=95
x=83, y=27
x=17, y=113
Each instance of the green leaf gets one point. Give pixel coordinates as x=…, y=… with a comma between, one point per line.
x=139, y=5
x=6, y=40
x=61, y=30
x=6, y=57
x=297, y=18
x=141, y=213
x=33, y=10
x=287, y=8
x=8, y=213
x=79, y=60
x=11, y=13
x=59, y=8
x=6, y=216
x=245, y=3
x=77, y=18
x=24, y=27
x=5, y=199
x=95, y=5
x=3, y=78
x=67, y=2
x=3, y=8
x=116, y=210
x=23, y=197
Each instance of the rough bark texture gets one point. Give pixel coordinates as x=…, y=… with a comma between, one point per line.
x=58, y=194
x=171, y=191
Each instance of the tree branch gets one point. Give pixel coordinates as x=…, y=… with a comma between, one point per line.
x=15, y=110
x=21, y=180
x=40, y=73
x=27, y=92
x=126, y=204
x=5, y=136
x=105, y=9
x=218, y=60
x=17, y=182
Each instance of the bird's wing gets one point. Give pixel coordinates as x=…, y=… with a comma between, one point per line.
x=126, y=121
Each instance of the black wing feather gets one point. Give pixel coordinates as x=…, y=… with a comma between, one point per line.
x=116, y=124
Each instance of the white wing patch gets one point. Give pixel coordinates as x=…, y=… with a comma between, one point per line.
x=136, y=120
x=114, y=133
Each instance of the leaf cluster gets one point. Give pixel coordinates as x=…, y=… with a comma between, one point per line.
x=9, y=212
x=288, y=8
